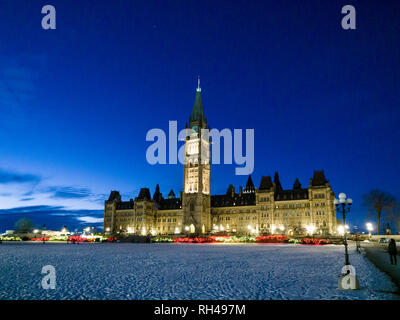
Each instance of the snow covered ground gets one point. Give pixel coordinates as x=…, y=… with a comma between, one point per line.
x=185, y=271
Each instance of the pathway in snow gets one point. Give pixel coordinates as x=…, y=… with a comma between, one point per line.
x=185, y=271
x=379, y=255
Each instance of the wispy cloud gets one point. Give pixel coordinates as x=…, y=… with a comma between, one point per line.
x=14, y=177
x=28, y=195
x=65, y=192
x=27, y=199
x=54, y=217
x=33, y=209
x=27, y=188
x=18, y=86
x=89, y=219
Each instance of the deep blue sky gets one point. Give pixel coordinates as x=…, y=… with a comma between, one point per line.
x=76, y=102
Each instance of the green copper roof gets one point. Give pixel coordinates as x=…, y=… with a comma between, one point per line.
x=197, y=111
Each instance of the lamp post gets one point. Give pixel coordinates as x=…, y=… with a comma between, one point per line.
x=343, y=206
x=358, y=248
x=369, y=228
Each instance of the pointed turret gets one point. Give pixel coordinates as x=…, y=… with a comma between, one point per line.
x=157, y=196
x=197, y=117
x=277, y=182
x=319, y=178
x=230, y=191
x=266, y=183
x=249, y=186
x=171, y=194
x=114, y=195
x=297, y=184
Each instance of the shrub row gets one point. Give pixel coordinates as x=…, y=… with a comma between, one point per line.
x=245, y=239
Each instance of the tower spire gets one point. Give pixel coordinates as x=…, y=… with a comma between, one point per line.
x=198, y=84
x=197, y=111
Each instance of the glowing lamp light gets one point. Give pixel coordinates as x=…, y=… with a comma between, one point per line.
x=310, y=229
x=35, y=231
x=281, y=228
x=369, y=226
x=341, y=230
x=187, y=228
x=249, y=227
x=107, y=229
x=176, y=230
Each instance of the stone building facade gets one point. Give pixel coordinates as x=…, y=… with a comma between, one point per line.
x=268, y=209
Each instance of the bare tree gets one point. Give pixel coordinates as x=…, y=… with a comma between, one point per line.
x=378, y=201
x=393, y=213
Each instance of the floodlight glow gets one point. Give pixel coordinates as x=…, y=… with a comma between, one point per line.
x=310, y=229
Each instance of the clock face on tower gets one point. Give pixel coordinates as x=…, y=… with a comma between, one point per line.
x=195, y=129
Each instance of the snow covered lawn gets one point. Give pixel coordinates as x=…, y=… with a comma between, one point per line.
x=185, y=271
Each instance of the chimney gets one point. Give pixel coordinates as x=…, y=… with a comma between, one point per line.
x=240, y=190
x=233, y=192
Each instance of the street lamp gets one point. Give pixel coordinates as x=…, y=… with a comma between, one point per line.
x=310, y=229
x=369, y=228
x=343, y=206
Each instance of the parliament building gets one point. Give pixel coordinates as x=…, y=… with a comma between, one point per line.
x=266, y=209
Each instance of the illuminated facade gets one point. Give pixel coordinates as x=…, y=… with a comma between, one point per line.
x=266, y=209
